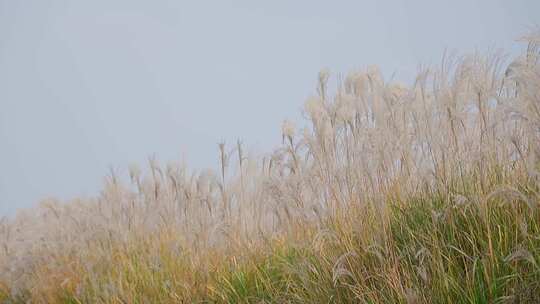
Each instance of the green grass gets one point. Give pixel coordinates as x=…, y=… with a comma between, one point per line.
x=461, y=257
x=423, y=250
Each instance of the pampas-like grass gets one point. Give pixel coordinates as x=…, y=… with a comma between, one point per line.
x=391, y=193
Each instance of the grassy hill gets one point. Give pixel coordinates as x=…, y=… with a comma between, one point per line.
x=426, y=193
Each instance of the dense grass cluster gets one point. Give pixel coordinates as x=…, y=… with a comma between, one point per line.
x=427, y=193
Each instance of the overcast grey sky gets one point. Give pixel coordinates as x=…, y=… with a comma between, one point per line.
x=89, y=84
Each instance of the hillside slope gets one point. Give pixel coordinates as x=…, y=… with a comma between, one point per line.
x=427, y=193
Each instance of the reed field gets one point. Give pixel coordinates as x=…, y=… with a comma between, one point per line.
x=387, y=193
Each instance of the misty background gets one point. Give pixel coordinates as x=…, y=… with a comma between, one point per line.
x=85, y=85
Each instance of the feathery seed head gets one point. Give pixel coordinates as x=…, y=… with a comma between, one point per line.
x=324, y=74
x=134, y=172
x=397, y=90
x=345, y=107
x=287, y=128
x=314, y=106
x=374, y=74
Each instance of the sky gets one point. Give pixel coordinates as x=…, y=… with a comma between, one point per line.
x=89, y=85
